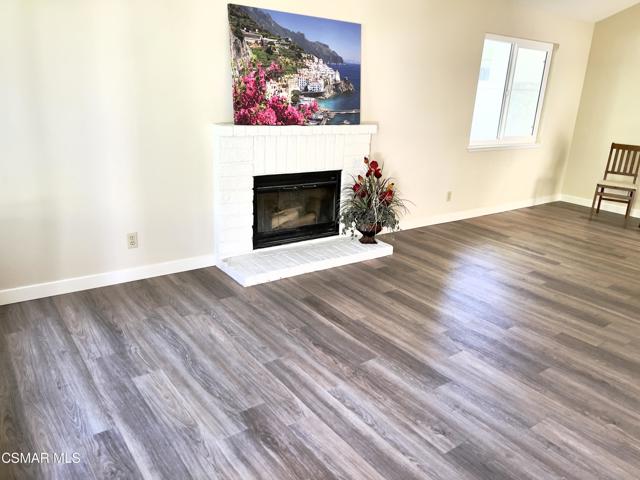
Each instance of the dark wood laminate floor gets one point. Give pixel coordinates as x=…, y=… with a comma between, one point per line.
x=503, y=347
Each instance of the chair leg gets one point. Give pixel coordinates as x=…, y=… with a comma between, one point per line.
x=593, y=204
x=632, y=196
x=626, y=214
x=600, y=200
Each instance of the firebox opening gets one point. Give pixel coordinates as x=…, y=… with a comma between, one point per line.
x=295, y=207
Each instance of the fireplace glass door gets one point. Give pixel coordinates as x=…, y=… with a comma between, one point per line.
x=291, y=208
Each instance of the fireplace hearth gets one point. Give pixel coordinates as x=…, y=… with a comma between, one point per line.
x=294, y=207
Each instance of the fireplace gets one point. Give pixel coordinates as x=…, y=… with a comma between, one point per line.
x=294, y=207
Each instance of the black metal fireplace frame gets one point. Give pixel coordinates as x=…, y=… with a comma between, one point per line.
x=295, y=181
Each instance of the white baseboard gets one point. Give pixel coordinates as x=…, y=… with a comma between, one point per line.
x=477, y=212
x=606, y=206
x=68, y=285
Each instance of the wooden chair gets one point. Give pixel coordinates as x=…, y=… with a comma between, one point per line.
x=624, y=161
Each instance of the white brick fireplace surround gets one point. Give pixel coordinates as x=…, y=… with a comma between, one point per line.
x=242, y=152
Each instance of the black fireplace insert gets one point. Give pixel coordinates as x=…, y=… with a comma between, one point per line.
x=295, y=207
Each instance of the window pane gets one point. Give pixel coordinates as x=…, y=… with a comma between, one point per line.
x=525, y=93
x=493, y=75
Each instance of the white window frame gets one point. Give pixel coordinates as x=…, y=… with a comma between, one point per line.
x=515, y=142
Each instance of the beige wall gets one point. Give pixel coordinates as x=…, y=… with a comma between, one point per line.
x=610, y=106
x=106, y=106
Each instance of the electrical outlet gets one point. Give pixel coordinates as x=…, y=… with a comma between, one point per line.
x=449, y=196
x=132, y=240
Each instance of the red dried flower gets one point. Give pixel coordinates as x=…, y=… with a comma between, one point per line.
x=386, y=197
x=356, y=187
x=373, y=165
x=378, y=173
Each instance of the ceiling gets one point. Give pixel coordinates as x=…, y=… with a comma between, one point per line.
x=587, y=10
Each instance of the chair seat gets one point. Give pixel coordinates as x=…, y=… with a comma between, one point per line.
x=618, y=185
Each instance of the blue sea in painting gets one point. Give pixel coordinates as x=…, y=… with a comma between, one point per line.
x=349, y=101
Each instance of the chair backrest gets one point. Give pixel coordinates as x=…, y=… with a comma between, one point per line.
x=623, y=160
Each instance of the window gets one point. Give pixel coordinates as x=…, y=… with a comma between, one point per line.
x=511, y=84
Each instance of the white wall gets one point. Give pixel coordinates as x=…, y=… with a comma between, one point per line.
x=105, y=107
x=610, y=106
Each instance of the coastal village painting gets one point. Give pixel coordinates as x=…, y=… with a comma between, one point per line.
x=291, y=69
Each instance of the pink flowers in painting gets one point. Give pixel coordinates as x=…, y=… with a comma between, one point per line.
x=252, y=107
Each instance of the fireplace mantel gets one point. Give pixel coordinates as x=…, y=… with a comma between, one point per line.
x=242, y=152
x=231, y=130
